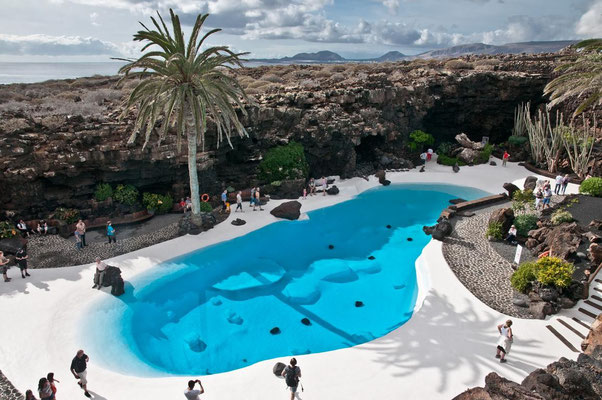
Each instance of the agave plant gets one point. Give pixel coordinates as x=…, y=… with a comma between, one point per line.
x=182, y=85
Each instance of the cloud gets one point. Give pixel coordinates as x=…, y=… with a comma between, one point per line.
x=590, y=23
x=94, y=19
x=45, y=45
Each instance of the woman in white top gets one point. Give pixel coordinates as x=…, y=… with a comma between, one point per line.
x=504, y=342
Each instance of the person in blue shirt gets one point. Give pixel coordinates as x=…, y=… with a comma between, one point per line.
x=111, y=233
x=224, y=201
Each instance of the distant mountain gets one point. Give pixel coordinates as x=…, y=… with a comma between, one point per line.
x=509, y=48
x=320, y=56
x=390, y=56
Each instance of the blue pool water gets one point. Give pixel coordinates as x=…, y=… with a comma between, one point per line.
x=212, y=310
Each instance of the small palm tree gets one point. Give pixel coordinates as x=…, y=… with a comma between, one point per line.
x=581, y=78
x=184, y=85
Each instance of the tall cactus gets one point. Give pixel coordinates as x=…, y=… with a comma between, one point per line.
x=579, y=144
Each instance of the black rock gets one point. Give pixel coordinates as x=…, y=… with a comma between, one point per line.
x=275, y=331
x=290, y=210
x=359, y=304
x=439, y=231
x=12, y=245
x=456, y=168
x=371, y=258
x=278, y=368
x=331, y=246
x=530, y=182
x=511, y=188
x=306, y=321
x=457, y=201
x=422, y=169
x=388, y=226
x=195, y=224
x=239, y=222
x=332, y=190
x=386, y=182
x=492, y=163
x=409, y=239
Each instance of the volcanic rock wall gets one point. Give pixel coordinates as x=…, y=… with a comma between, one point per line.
x=346, y=117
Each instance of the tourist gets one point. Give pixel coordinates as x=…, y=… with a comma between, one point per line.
x=505, y=340
x=23, y=228
x=21, y=258
x=78, y=240
x=99, y=275
x=511, y=238
x=565, y=183
x=291, y=374
x=42, y=227
x=423, y=157
x=224, y=201
x=558, y=185
x=538, y=198
x=29, y=395
x=45, y=390
x=312, y=187
x=191, y=393
x=4, y=267
x=505, y=158
x=429, y=154
x=547, y=197
x=304, y=193
x=182, y=204
x=53, y=382
x=188, y=203
x=78, y=369
x=252, y=200
x=546, y=185
x=111, y=232
x=257, y=199
x=324, y=185
x=239, y=201
x=81, y=228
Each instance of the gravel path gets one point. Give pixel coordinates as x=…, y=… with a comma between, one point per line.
x=8, y=391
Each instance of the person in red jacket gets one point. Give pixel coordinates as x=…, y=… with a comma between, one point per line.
x=505, y=158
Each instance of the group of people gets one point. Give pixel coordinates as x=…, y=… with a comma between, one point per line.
x=21, y=258
x=47, y=385
x=80, y=234
x=186, y=204
x=312, y=186
x=26, y=231
x=254, y=201
x=543, y=191
x=561, y=183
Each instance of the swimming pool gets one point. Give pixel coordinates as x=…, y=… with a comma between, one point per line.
x=342, y=277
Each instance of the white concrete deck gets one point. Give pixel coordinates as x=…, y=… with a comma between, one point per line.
x=446, y=347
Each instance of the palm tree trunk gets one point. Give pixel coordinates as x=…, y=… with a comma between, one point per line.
x=192, y=167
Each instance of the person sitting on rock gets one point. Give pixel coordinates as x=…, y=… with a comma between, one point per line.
x=23, y=228
x=511, y=238
x=188, y=204
x=99, y=275
x=42, y=227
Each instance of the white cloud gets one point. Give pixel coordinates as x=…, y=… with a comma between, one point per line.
x=590, y=23
x=94, y=19
x=47, y=45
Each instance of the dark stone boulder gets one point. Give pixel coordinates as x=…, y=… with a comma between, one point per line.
x=275, y=331
x=386, y=182
x=439, y=231
x=278, y=368
x=333, y=190
x=492, y=163
x=596, y=224
x=511, y=188
x=238, y=222
x=505, y=216
x=548, y=293
x=306, y=321
x=290, y=189
x=359, y=303
x=595, y=253
x=457, y=201
x=195, y=224
x=12, y=245
x=541, y=309
x=290, y=210
x=112, y=275
x=456, y=168
x=530, y=183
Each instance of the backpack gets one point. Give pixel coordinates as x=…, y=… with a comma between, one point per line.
x=291, y=377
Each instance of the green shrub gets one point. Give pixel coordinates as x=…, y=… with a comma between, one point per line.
x=524, y=223
x=517, y=141
x=126, y=194
x=449, y=161
x=7, y=230
x=445, y=148
x=103, y=192
x=591, y=186
x=68, y=215
x=161, y=204
x=485, y=154
x=418, y=139
x=494, y=230
x=560, y=216
x=206, y=207
x=284, y=162
x=523, y=277
x=522, y=200
x=554, y=271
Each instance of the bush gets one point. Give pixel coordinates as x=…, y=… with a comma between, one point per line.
x=445, y=148
x=68, y=215
x=7, y=230
x=522, y=200
x=494, y=230
x=560, y=216
x=126, y=194
x=554, y=271
x=524, y=223
x=161, y=204
x=419, y=138
x=284, y=162
x=591, y=186
x=485, y=154
x=103, y=192
x=517, y=141
x=449, y=161
x=206, y=207
x=523, y=277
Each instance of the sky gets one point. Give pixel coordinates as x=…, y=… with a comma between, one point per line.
x=91, y=30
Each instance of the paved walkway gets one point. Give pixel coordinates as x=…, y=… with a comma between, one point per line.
x=8, y=391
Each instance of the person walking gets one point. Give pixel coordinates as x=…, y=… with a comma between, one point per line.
x=78, y=368
x=423, y=157
x=111, y=233
x=505, y=340
x=312, y=187
x=45, y=390
x=558, y=185
x=21, y=258
x=292, y=374
x=52, y=382
x=191, y=393
x=538, y=198
x=4, y=267
x=252, y=200
x=29, y=395
x=81, y=228
x=547, y=197
x=257, y=199
x=224, y=201
x=78, y=240
x=565, y=183
x=99, y=275
x=505, y=158
x=239, y=202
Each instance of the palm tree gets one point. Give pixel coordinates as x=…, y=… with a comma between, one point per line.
x=581, y=78
x=184, y=85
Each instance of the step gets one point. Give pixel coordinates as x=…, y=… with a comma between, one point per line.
x=591, y=303
x=598, y=289
x=588, y=313
x=562, y=338
x=583, y=324
x=597, y=298
x=570, y=328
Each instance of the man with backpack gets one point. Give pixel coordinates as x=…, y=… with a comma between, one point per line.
x=291, y=374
